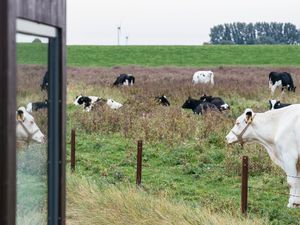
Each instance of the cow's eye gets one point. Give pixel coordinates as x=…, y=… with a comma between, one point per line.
x=31, y=122
x=237, y=123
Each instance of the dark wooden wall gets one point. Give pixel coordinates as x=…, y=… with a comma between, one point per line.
x=7, y=113
x=43, y=11
x=50, y=12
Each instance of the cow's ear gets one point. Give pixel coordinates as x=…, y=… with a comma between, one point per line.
x=20, y=115
x=249, y=115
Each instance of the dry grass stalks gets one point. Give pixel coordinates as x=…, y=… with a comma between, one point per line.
x=89, y=204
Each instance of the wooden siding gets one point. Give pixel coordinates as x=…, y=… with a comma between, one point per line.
x=43, y=11
x=7, y=114
x=50, y=12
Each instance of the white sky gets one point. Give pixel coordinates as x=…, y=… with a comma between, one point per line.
x=167, y=22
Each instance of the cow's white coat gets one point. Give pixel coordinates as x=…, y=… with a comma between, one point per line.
x=274, y=86
x=203, y=77
x=29, y=107
x=278, y=131
x=30, y=128
x=113, y=104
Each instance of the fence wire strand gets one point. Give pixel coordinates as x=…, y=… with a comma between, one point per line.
x=275, y=192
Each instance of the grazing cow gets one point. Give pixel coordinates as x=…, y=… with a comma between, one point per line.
x=217, y=101
x=26, y=128
x=274, y=104
x=282, y=79
x=203, y=77
x=198, y=106
x=278, y=131
x=45, y=82
x=87, y=102
x=113, y=104
x=162, y=100
x=124, y=79
x=35, y=106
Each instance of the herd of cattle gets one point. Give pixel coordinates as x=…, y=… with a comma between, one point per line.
x=277, y=130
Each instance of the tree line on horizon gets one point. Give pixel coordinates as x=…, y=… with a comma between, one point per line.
x=255, y=33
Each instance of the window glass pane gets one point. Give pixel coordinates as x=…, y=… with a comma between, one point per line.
x=32, y=129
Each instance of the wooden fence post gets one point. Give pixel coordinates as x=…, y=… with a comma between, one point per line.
x=73, y=143
x=139, y=163
x=244, y=186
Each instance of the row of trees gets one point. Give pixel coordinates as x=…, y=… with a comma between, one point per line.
x=258, y=33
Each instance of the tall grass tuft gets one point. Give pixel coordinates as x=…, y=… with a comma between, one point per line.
x=88, y=203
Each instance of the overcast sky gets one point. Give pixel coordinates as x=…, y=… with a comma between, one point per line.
x=167, y=22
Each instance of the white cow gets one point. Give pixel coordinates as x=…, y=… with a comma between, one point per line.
x=113, y=104
x=278, y=131
x=203, y=77
x=26, y=128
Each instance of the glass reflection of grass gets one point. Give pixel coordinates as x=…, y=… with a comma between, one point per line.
x=32, y=185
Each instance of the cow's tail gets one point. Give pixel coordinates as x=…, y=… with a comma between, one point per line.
x=212, y=78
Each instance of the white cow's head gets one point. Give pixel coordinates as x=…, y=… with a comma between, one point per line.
x=113, y=104
x=242, y=130
x=26, y=128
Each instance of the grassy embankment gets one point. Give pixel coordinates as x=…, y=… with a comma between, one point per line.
x=183, y=56
x=186, y=160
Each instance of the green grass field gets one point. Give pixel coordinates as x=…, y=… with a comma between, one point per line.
x=181, y=56
x=186, y=160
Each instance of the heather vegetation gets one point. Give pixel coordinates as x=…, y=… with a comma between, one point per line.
x=190, y=175
x=185, y=155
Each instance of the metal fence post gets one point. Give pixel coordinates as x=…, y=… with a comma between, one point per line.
x=244, y=186
x=73, y=142
x=139, y=163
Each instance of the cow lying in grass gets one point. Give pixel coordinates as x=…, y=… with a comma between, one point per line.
x=35, y=106
x=217, y=101
x=206, y=102
x=162, y=100
x=278, y=131
x=274, y=104
x=88, y=102
x=198, y=106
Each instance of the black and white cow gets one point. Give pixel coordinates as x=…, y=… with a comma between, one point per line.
x=198, y=107
x=217, y=101
x=35, y=106
x=124, y=79
x=274, y=104
x=45, y=82
x=162, y=100
x=87, y=102
x=283, y=79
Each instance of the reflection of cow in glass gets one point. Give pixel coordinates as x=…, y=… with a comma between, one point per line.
x=45, y=83
x=26, y=128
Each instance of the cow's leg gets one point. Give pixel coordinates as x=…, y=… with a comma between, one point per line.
x=282, y=95
x=294, y=183
x=273, y=88
x=290, y=167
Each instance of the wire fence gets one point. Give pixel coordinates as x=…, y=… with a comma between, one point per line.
x=244, y=187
